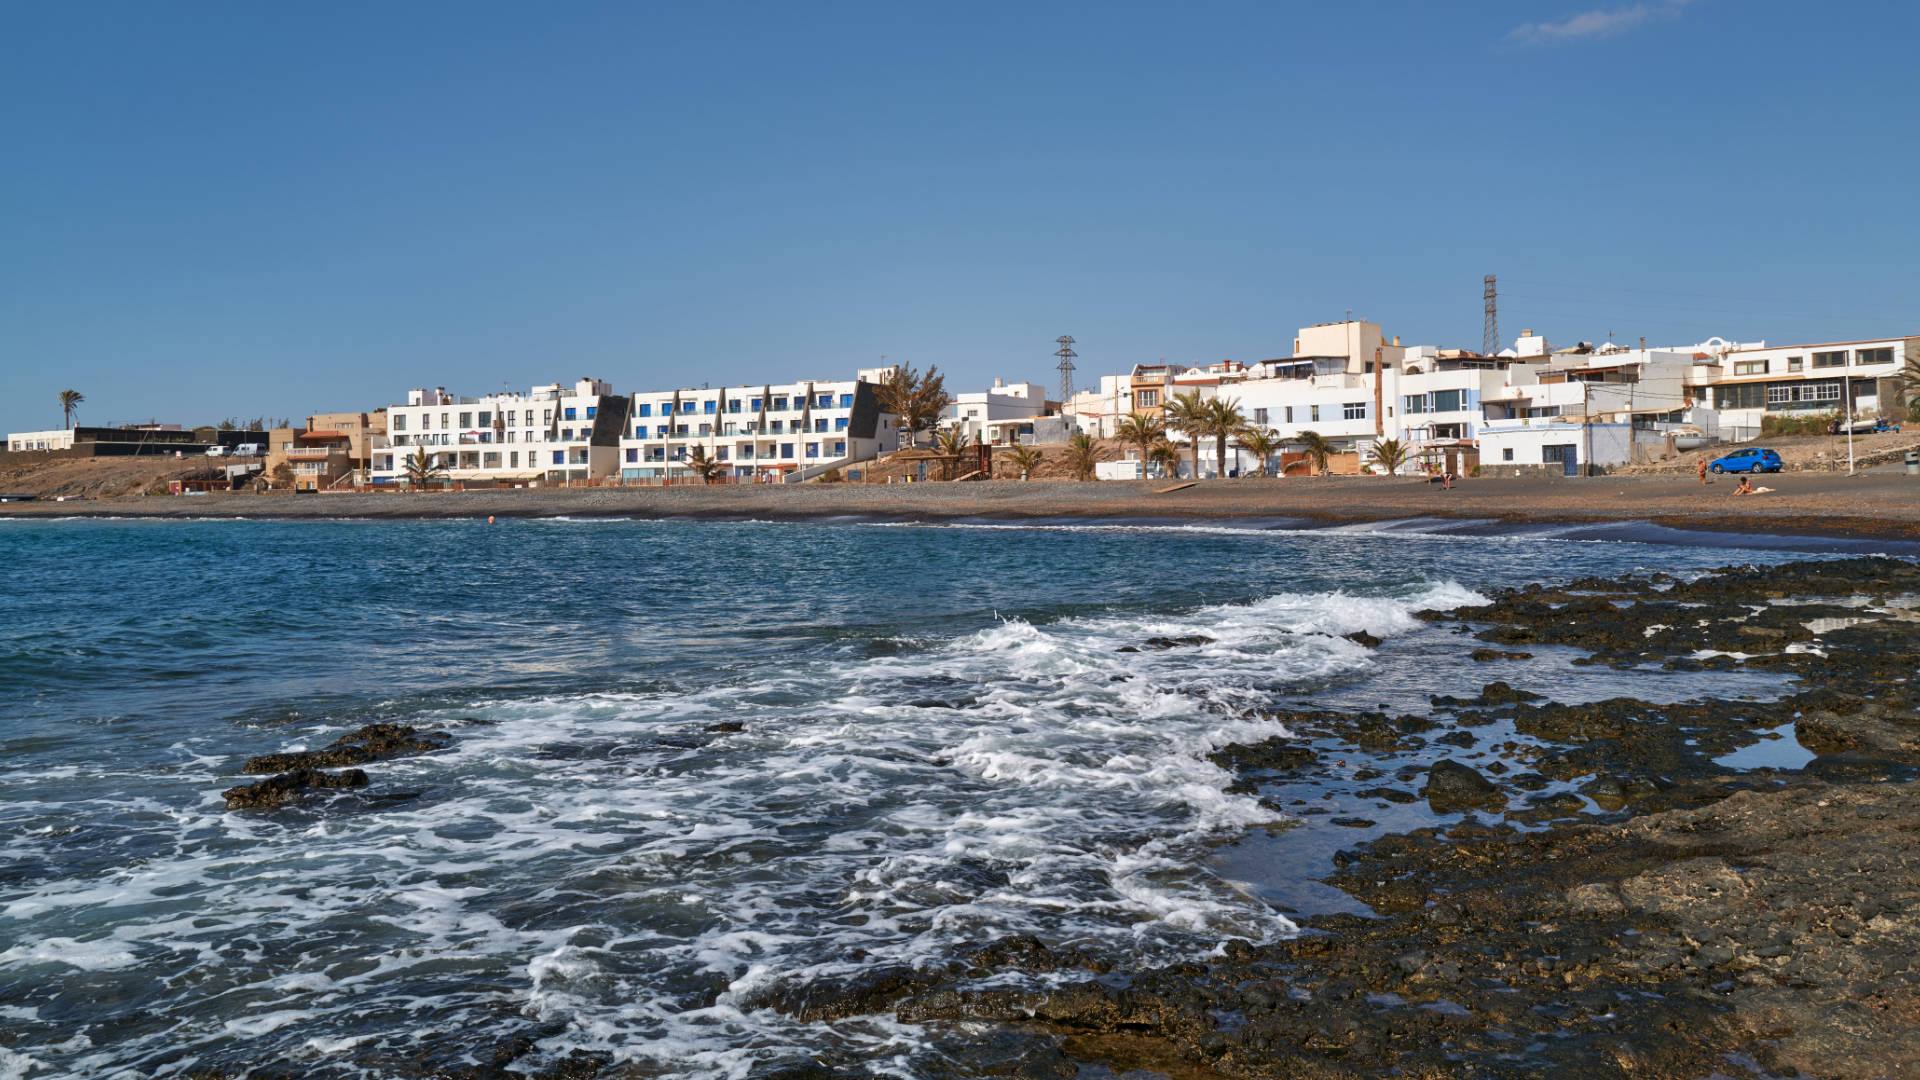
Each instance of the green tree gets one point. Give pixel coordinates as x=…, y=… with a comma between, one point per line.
x=69, y=401
x=1221, y=421
x=915, y=399
x=1167, y=456
x=1390, y=454
x=1259, y=442
x=1318, y=450
x=423, y=468
x=1141, y=431
x=1193, y=415
x=1083, y=452
x=1026, y=459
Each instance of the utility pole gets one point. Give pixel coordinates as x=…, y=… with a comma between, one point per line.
x=1490, y=340
x=1846, y=415
x=1586, y=426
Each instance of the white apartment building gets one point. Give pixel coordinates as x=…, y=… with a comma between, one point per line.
x=1747, y=383
x=1000, y=416
x=57, y=439
x=1580, y=411
x=783, y=432
x=551, y=434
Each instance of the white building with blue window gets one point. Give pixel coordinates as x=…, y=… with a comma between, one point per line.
x=551, y=434
x=783, y=432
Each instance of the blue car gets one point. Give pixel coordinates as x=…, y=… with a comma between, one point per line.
x=1747, y=461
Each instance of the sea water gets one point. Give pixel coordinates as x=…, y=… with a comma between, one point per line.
x=693, y=765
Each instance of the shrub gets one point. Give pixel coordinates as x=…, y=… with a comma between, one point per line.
x=1797, y=425
x=831, y=476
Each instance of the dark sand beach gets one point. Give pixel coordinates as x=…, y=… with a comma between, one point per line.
x=1882, y=504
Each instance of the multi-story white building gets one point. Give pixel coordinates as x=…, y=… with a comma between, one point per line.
x=1747, y=383
x=1002, y=415
x=777, y=432
x=1590, y=409
x=551, y=434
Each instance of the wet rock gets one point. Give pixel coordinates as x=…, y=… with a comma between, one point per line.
x=1485, y=655
x=290, y=787
x=374, y=742
x=727, y=727
x=1392, y=795
x=1453, y=786
x=1187, y=641
x=1361, y=637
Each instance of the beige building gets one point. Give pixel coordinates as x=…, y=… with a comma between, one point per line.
x=365, y=432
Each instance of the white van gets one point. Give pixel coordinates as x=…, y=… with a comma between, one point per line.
x=247, y=449
x=216, y=451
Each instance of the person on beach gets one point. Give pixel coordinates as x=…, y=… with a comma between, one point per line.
x=1703, y=470
x=1746, y=486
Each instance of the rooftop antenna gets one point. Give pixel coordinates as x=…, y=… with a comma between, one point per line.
x=1490, y=341
x=1066, y=355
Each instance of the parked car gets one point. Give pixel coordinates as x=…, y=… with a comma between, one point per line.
x=1756, y=460
x=216, y=451
x=248, y=449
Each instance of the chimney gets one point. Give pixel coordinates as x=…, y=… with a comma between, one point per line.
x=1396, y=341
x=999, y=384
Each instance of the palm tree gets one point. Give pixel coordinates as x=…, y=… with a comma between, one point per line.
x=1167, y=456
x=1026, y=458
x=69, y=401
x=1223, y=419
x=422, y=468
x=1142, y=432
x=1083, y=452
x=1390, y=454
x=1910, y=381
x=952, y=441
x=1318, y=450
x=704, y=467
x=1259, y=442
x=916, y=399
x=1192, y=414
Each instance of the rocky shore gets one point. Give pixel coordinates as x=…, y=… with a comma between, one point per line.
x=1622, y=888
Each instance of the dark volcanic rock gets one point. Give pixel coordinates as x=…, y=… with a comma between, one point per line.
x=1453, y=786
x=1361, y=637
x=1485, y=655
x=289, y=787
x=1186, y=641
x=374, y=742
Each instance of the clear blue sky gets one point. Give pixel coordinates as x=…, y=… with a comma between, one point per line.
x=234, y=209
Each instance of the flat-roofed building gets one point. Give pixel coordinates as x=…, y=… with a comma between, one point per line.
x=775, y=432
x=552, y=434
x=1746, y=384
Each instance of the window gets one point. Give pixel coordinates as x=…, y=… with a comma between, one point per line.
x=710, y=407
x=1289, y=414
x=813, y=449
x=559, y=457
x=1560, y=453
x=646, y=410
x=745, y=450
x=592, y=410
x=546, y=417
x=846, y=401
x=820, y=424
x=490, y=460
x=1446, y=401
x=1751, y=396
x=1353, y=410
x=443, y=421
x=566, y=433
x=779, y=404
x=734, y=405
x=399, y=421
x=1796, y=363
x=1821, y=391
x=1826, y=359
x=1148, y=399
x=756, y=404
x=825, y=401
x=568, y=415
x=466, y=420
x=1506, y=453
x=779, y=425
x=510, y=435
x=681, y=430
x=1873, y=356
x=786, y=449
x=640, y=431
x=486, y=419
x=706, y=429
x=1759, y=367
x=839, y=449
x=840, y=423
x=633, y=454
x=1260, y=417
x=660, y=431
x=1313, y=413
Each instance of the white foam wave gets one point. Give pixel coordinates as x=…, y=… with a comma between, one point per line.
x=608, y=863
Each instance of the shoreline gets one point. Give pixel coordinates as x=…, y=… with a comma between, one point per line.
x=1878, y=506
